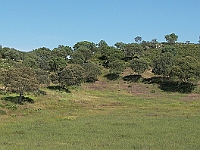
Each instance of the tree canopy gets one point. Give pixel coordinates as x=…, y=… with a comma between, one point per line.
x=19, y=80
x=84, y=62
x=171, y=38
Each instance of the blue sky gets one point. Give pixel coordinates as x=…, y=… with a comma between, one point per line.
x=29, y=24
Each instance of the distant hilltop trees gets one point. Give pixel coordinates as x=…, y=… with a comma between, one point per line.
x=66, y=66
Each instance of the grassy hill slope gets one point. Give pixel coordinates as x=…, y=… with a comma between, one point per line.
x=104, y=115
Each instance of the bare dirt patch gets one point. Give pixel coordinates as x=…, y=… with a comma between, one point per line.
x=191, y=97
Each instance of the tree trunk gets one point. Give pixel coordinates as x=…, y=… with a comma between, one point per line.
x=20, y=98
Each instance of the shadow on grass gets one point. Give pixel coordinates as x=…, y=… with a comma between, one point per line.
x=176, y=87
x=132, y=78
x=14, y=99
x=168, y=85
x=112, y=76
x=153, y=80
x=58, y=88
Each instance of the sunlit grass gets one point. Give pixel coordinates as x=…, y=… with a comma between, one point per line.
x=106, y=118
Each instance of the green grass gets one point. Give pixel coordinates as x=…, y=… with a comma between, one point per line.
x=92, y=117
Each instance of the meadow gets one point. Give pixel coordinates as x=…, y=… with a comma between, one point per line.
x=103, y=115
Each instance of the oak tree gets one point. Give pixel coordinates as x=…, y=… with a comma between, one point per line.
x=20, y=80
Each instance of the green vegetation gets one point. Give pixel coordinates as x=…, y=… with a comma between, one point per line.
x=143, y=95
x=103, y=115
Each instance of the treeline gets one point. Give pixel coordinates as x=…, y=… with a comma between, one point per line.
x=66, y=66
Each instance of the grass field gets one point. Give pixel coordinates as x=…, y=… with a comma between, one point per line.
x=104, y=115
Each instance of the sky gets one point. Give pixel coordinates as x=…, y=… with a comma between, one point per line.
x=29, y=24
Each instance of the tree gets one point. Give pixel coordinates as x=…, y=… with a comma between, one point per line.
x=139, y=65
x=163, y=64
x=154, y=41
x=102, y=43
x=111, y=54
x=43, y=57
x=62, y=52
x=30, y=60
x=138, y=39
x=70, y=75
x=199, y=40
x=91, y=72
x=187, y=42
x=186, y=69
x=169, y=49
x=171, y=38
x=57, y=63
x=132, y=50
x=77, y=58
x=20, y=80
x=88, y=45
x=120, y=45
x=42, y=77
x=116, y=66
x=87, y=53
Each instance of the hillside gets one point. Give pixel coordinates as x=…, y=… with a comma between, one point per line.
x=102, y=115
x=94, y=96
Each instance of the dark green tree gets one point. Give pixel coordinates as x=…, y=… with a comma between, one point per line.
x=62, y=52
x=88, y=45
x=110, y=54
x=42, y=77
x=138, y=39
x=163, y=64
x=91, y=72
x=57, y=63
x=43, y=57
x=77, y=58
x=171, y=38
x=170, y=49
x=186, y=70
x=139, y=65
x=20, y=80
x=102, y=43
x=30, y=60
x=116, y=66
x=132, y=50
x=70, y=75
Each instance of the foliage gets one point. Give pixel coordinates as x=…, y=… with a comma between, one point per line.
x=116, y=66
x=77, y=58
x=91, y=72
x=111, y=54
x=42, y=77
x=102, y=43
x=85, y=44
x=186, y=69
x=139, y=65
x=120, y=45
x=138, y=39
x=57, y=63
x=165, y=59
x=70, y=75
x=85, y=52
x=132, y=50
x=62, y=52
x=171, y=38
x=169, y=49
x=43, y=56
x=163, y=64
x=11, y=54
x=19, y=80
x=31, y=60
